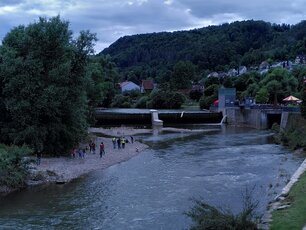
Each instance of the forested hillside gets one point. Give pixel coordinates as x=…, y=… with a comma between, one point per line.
x=213, y=48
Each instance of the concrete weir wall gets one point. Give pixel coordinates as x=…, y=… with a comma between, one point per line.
x=257, y=118
x=247, y=117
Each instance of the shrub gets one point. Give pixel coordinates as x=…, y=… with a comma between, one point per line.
x=142, y=102
x=121, y=101
x=206, y=101
x=13, y=166
x=208, y=217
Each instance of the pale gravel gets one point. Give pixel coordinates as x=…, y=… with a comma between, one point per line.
x=70, y=168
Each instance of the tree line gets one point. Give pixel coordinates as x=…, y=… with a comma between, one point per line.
x=212, y=48
x=51, y=81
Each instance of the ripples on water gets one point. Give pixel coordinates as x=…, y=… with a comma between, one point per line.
x=153, y=190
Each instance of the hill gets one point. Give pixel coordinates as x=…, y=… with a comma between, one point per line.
x=212, y=48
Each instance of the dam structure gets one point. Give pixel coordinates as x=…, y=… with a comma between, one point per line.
x=143, y=116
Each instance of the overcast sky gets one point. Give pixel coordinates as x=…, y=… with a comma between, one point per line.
x=112, y=19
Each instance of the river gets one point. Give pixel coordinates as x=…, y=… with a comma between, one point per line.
x=154, y=189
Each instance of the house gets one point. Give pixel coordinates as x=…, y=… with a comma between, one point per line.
x=300, y=59
x=213, y=74
x=128, y=86
x=232, y=73
x=242, y=70
x=264, y=66
x=147, y=86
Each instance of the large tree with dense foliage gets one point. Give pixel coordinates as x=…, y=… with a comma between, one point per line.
x=182, y=76
x=280, y=84
x=43, y=97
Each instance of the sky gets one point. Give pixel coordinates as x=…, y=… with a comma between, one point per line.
x=112, y=19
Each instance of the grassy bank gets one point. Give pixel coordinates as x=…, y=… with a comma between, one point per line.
x=295, y=216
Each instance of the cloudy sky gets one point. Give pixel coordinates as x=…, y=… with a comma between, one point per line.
x=112, y=19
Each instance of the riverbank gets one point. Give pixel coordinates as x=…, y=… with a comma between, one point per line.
x=65, y=169
x=287, y=209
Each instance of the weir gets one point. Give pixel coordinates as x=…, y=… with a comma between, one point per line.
x=143, y=116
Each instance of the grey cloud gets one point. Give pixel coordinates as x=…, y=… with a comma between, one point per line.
x=111, y=19
x=273, y=11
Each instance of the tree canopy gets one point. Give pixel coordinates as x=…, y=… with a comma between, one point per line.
x=43, y=96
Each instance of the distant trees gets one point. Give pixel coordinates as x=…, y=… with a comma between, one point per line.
x=213, y=48
x=43, y=96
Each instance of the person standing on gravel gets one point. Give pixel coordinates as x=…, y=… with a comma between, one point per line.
x=114, y=142
x=102, y=151
x=93, y=146
x=118, y=142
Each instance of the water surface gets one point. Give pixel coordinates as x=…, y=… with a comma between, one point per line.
x=153, y=189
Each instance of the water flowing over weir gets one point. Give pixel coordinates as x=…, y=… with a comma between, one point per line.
x=143, y=116
x=153, y=189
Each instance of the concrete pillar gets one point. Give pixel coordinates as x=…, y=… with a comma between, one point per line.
x=155, y=119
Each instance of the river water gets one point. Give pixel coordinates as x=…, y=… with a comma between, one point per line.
x=154, y=189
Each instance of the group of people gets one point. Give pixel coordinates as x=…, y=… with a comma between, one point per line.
x=120, y=142
x=81, y=152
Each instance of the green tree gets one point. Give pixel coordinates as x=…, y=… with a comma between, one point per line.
x=175, y=100
x=303, y=104
x=274, y=87
x=182, y=76
x=262, y=96
x=280, y=84
x=43, y=74
x=121, y=101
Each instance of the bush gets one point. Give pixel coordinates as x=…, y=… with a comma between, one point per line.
x=207, y=217
x=142, y=102
x=206, y=101
x=175, y=100
x=121, y=101
x=13, y=166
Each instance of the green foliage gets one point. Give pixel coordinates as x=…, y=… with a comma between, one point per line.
x=160, y=99
x=293, y=217
x=206, y=101
x=101, y=77
x=211, y=90
x=42, y=71
x=262, y=96
x=176, y=100
x=213, y=48
x=294, y=134
x=207, y=217
x=121, y=101
x=303, y=104
x=182, y=76
x=228, y=83
x=13, y=166
x=133, y=94
x=195, y=94
x=279, y=84
x=142, y=102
